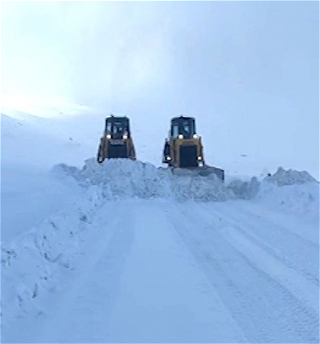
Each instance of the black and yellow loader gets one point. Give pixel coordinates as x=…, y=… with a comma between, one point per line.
x=183, y=149
x=116, y=141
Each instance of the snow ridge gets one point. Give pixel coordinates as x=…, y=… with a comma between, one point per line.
x=290, y=177
x=292, y=191
x=122, y=179
x=33, y=263
x=117, y=179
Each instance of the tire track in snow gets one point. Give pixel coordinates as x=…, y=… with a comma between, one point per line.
x=264, y=308
x=165, y=297
x=280, y=219
x=269, y=237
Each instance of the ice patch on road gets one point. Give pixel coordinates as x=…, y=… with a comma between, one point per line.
x=122, y=179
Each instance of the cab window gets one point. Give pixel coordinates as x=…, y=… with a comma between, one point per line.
x=175, y=131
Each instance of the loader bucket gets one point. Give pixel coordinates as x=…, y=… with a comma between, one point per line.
x=203, y=171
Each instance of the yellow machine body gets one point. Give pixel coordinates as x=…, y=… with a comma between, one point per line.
x=116, y=142
x=183, y=149
x=179, y=146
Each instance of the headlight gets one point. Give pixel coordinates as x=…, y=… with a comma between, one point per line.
x=109, y=136
x=199, y=157
x=125, y=136
x=168, y=157
x=180, y=136
x=195, y=136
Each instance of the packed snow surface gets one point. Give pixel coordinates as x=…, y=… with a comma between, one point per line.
x=144, y=255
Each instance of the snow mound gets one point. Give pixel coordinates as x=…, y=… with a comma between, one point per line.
x=292, y=191
x=123, y=178
x=299, y=199
x=289, y=190
x=290, y=177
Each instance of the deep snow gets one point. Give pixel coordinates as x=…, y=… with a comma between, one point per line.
x=129, y=252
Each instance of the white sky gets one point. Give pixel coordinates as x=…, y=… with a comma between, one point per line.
x=248, y=71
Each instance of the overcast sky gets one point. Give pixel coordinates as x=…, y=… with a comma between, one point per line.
x=248, y=71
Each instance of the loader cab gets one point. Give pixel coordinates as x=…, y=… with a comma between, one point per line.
x=117, y=128
x=183, y=128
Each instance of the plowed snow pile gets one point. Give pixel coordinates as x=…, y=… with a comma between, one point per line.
x=292, y=191
x=121, y=179
x=290, y=177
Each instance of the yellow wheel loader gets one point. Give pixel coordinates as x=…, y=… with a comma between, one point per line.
x=116, y=141
x=183, y=149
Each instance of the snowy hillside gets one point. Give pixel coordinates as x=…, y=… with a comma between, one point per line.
x=128, y=252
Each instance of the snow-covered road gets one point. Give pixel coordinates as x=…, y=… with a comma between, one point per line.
x=130, y=251
x=163, y=271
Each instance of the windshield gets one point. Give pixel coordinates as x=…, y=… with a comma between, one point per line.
x=183, y=127
x=117, y=129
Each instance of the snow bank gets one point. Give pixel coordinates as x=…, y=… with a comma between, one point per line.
x=289, y=190
x=122, y=178
x=299, y=199
x=290, y=177
x=33, y=263
x=29, y=196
